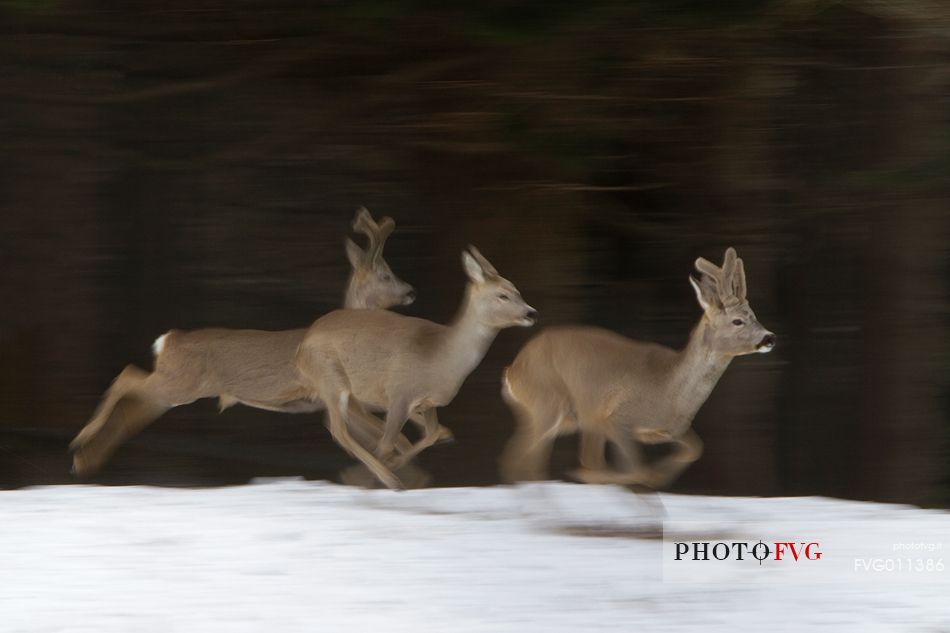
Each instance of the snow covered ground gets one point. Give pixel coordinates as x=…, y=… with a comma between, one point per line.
x=302, y=556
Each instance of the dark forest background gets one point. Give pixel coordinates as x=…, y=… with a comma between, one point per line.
x=187, y=164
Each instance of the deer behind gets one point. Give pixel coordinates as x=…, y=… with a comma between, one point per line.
x=611, y=388
x=354, y=360
x=252, y=367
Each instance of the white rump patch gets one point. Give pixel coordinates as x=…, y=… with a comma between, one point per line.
x=505, y=385
x=159, y=344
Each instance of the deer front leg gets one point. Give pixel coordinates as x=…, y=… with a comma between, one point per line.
x=367, y=429
x=328, y=384
x=339, y=431
x=433, y=433
x=444, y=433
x=594, y=469
x=593, y=450
x=592, y=454
x=396, y=416
x=686, y=450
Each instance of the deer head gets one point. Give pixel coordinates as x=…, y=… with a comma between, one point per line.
x=495, y=300
x=732, y=327
x=372, y=284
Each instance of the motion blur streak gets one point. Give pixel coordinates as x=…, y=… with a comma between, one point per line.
x=172, y=164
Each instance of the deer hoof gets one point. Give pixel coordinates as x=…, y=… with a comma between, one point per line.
x=392, y=482
x=81, y=468
x=588, y=476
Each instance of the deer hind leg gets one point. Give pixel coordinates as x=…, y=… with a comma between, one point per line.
x=686, y=450
x=528, y=452
x=121, y=385
x=134, y=400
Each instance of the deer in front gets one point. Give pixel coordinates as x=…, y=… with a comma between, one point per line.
x=251, y=367
x=625, y=392
x=361, y=361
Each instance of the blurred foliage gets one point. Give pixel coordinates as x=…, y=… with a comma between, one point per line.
x=185, y=164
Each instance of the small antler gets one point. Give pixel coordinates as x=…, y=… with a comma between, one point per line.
x=375, y=233
x=729, y=280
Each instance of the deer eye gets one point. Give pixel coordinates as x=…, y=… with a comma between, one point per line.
x=738, y=322
x=504, y=297
x=386, y=277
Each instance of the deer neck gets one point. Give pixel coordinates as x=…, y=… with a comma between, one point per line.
x=696, y=371
x=352, y=299
x=467, y=339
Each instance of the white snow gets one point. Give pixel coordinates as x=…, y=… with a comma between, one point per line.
x=283, y=556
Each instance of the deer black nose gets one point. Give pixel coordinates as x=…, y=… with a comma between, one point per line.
x=532, y=314
x=768, y=341
x=411, y=296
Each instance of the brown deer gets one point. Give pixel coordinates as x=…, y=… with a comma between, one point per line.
x=251, y=367
x=611, y=388
x=382, y=361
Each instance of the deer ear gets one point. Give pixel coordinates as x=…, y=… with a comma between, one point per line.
x=706, y=267
x=705, y=295
x=487, y=269
x=354, y=253
x=472, y=268
x=738, y=280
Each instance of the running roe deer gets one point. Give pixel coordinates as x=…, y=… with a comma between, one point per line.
x=251, y=367
x=382, y=361
x=609, y=387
